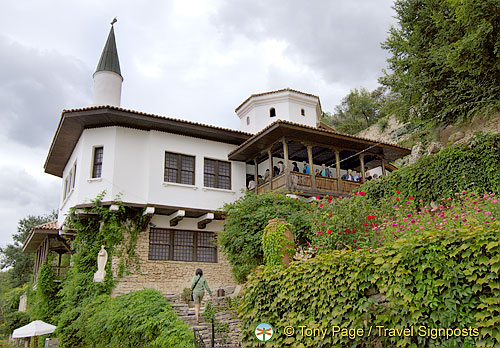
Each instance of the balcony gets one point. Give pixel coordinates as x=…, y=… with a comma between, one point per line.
x=305, y=185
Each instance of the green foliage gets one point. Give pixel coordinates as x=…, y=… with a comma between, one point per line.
x=444, y=59
x=45, y=303
x=434, y=279
x=209, y=315
x=138, y=319
x=359, y=110
x=453, y=168
x=12, y=321
x=275, y=243
x=117, y=231
x=241, y=239
x=10, y=300
x=186, y=295
x=341, y=223
x=12, y=257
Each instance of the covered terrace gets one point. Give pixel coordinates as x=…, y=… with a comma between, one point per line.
x=290, y=142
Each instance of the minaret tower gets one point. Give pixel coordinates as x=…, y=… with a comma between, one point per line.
x=107, y=77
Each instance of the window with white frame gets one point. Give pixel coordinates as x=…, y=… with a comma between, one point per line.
x=69, y=181
x=97, y=161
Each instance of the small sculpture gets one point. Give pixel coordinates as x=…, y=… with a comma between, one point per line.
x=102, y=258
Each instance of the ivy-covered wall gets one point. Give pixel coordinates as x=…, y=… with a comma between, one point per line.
x=472, y=166
x=433, y=280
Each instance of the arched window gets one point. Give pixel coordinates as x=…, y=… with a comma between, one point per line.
x=272, y=112
x=302, y=112
x=248, y=120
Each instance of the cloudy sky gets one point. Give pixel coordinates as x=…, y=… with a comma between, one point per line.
x=189, y=59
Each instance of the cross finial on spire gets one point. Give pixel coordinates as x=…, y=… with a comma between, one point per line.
x=114, y=21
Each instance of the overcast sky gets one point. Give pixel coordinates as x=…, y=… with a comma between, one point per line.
x=189, y=59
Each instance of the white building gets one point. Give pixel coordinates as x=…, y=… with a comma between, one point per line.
x=183, y=172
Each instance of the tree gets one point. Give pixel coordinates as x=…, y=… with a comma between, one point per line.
x=12, y=257
x=445, y=58
x=359, y=110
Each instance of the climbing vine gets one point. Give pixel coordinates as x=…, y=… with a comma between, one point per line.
x=275, y=243
x=96, y=225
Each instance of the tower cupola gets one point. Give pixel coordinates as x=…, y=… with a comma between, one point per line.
x=107, y=77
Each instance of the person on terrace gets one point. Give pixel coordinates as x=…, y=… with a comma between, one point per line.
x=348, y=175
x=295, y=167
x=251, y=184
x=306, y=169
x=324, y=171
x=267, y=174
x=281, y=167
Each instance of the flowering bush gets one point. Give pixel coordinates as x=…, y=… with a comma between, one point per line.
x=357, y=223
x=340, y=223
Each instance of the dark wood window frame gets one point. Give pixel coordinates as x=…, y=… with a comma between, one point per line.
x=167, y=242
x=217, y=174
x=97, y=161
x=180, y=159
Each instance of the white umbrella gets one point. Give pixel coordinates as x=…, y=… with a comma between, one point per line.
x=35, y=328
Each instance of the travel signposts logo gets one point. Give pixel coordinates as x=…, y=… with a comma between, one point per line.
x=264, y=332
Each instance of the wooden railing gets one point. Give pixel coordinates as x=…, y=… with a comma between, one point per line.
x=302, y=182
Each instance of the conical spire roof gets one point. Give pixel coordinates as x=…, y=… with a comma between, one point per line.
x=109, y=57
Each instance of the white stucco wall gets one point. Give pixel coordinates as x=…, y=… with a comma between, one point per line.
x=107, y=88
x=133, y=167
x=287, y=105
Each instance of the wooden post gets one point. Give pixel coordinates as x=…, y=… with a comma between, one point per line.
x=383, y=167
x=362, y=161
x=256, y=174
x=271, y=171
x=337, y=166
x=311, y=166
x=287, y=169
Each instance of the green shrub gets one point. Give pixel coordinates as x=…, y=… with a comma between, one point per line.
x=275, y=243
x=45, y=301
x=13, y=320
x=434, y=279
x=453, y=168
x=138, y=319
x=241, y=239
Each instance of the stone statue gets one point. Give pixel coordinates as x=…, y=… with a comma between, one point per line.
x=102, y=258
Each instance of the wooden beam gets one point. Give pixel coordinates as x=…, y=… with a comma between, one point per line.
x=271, y=170
x=362, y=161
x=256, y=174
x=311, y=166
x=384, y=173
x=148, y=214
x=287, y=168
x=337, y=167
x=204, y=220
x=176, y=217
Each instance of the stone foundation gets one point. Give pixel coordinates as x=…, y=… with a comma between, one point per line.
x=169, y=277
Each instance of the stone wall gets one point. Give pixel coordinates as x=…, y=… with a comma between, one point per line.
x=170, y=277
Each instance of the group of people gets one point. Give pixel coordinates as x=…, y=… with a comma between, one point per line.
x=352, y=175
x=306, y=169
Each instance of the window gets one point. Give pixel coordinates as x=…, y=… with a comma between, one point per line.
x=248, y=121
x=178, y=245
x=69, y=182
x=179, y=168
x=302, y=112
x=97, y=164
x=217, y=174
x=272, y=112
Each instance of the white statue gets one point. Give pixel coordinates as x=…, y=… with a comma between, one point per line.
x=102, y=258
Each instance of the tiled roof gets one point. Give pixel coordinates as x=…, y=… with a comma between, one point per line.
x=315, y=128
x=274, y=92
x=52, y=225
x=99, y=107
